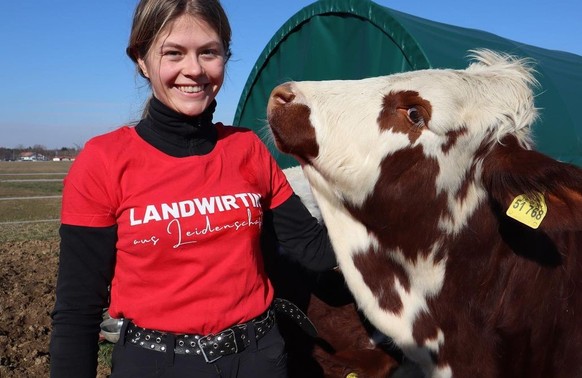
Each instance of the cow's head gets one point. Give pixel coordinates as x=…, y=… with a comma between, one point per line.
x=421, y=133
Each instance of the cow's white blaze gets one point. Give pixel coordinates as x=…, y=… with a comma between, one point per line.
x=355, y=169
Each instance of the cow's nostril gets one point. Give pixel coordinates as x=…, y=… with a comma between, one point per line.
x=283, y=94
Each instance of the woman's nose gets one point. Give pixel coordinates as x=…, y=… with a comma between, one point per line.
x=192, y=66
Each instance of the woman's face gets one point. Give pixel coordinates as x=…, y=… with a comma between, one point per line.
x=185, y=65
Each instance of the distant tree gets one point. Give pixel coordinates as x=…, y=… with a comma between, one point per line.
x=5, y=153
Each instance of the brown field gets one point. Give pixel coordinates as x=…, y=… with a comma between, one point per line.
x=28, y=265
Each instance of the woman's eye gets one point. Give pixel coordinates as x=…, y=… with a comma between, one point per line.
x=172, y=53
x=209, y=53
x=415, y=116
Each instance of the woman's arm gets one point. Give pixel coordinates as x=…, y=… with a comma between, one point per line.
x=86, y=262
x=301, y=236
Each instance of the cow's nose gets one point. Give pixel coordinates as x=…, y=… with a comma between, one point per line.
x=281, y=95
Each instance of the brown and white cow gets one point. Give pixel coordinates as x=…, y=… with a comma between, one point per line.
x=414, y=174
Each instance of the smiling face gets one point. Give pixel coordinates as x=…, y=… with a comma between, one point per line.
x=185, y=65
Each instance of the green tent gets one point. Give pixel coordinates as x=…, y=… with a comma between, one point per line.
x=354, y=39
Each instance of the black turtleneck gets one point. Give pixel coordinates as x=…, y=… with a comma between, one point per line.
x=176, y=134
x=87, y=254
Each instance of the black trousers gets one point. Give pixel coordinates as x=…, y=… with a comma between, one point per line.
x=265, y=358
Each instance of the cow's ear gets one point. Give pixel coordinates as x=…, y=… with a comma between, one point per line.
x=533, y=188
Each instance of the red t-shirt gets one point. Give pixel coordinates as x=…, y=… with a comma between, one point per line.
x=188, y=251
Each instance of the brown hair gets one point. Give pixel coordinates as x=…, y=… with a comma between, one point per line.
x=152, y=16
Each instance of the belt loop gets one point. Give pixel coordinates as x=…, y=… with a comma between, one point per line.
x=170, y=344
x=252, y=336
x=123, y=331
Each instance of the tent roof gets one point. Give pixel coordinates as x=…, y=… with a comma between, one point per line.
x=353, y=39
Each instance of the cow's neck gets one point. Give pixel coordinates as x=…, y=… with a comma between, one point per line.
x=391, y=248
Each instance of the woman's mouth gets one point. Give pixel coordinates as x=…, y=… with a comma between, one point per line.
x=190, y=88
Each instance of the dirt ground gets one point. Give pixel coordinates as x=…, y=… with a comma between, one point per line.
x=28, y=271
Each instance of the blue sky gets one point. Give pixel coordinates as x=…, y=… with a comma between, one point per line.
x=64, y=75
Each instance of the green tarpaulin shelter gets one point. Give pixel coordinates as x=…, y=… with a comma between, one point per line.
x=354, y=39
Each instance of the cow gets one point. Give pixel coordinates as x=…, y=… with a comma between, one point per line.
x=457, y=239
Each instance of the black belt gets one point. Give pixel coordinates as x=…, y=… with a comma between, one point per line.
x=229, y=341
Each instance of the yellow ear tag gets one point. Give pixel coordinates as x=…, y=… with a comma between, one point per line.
x=352, y=375
x=529, y=211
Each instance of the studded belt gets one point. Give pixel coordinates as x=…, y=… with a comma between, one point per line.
x=212, y=347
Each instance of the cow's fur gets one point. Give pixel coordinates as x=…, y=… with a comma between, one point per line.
x=346, y=344
x=413, y=173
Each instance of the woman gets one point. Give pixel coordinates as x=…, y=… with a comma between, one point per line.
x=161, y=222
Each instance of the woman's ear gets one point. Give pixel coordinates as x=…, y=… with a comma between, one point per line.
x=143, y=67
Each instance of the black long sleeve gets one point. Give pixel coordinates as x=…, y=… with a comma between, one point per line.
x=301, y=236
x=86, y=261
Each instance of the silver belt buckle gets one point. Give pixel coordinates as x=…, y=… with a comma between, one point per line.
x=204, y=342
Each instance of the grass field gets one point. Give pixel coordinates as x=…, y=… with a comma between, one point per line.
x=30, y=199
x=32, y=167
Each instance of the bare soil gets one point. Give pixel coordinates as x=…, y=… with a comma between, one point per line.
x=28, y=271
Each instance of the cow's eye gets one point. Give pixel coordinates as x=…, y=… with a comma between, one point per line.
x=415, y=116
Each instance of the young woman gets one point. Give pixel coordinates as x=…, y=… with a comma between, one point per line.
x=161, y=222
